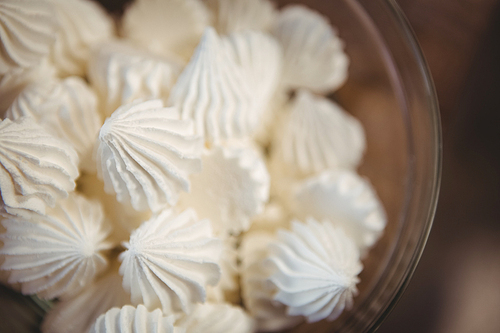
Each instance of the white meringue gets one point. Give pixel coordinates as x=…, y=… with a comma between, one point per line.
x=146, y=154
x=27, y=31
x=216, y=318
x=121, y=74
x=132, y=320
x=228, y=287
x=260, y=57
x=344, y=198
x=78, y=313
x=316, y=134
x=257, y=290
x=314, y=55
x=213, y=92
x=232, y=187
x=316, y=268
x=239, y=15
x=36, y=168
x=166, y=26
x=66, y=109
x=170, y=260
x=14, y=81
x=84, y=23
x=57, y=254
x=273, y=217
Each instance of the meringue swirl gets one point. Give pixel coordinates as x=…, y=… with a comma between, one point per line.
x=146, y=154
x=36, y=168
x=169, y=261
x=27, y=31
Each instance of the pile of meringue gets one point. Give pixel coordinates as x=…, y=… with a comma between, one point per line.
x=179, y=169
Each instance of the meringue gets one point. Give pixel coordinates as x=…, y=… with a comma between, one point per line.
x=37, y=169
x=78, y=313
x=132, y=320
x=240, y=15
x=84, y=23
x=316, y=134
x=260, y=57
x=170, y=260
x=316, y=268
x=213, y=93
x=65, y=108
x=314, y=55
x=56, y=254
x=121, y=74
x=257, y=290
x=27, y=31
x=14, y=81
x=228, y=287
x=216, y=318
x=232, y=187
x=344, y=198
x=145, y=155
x=168, y=27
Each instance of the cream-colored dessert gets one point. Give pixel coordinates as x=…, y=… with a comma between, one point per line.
x=58, y=253
x=27, y=31
x=37, y=169
x=170, y=260
x=65, y=108
x=145, y=155
x=314, y=55
x=132, y=320
x=121, y=73
x=218, y=139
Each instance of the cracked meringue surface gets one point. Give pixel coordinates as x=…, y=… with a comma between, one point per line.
x=145, y=155
x=57, y=254
x=27, y=32
x=170, y=260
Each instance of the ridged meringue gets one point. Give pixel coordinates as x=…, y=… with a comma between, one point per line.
x=317, y=134
x=257, y=290
x=260, y=57
x=316, y=268
x=314, y=55
x=121, y=74
x=228, y=287
x=170, y=260
x=166, y=26
x=129, y=319
x=145, y=155
x=65, y=108
x=57, y=254
x=232, y=187
x=78, y=313
x=13, y=82
x=344, y=198
x=27, y=31
x=36, y=168
x=239, y=15
x=84, y=23
x=212, y=91
x=216, y=318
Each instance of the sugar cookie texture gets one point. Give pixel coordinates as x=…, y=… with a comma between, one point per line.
x=181, y=168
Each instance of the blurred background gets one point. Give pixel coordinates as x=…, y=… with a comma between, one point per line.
x=456, y=287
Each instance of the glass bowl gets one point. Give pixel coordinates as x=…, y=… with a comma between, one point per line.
x=391, y=92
